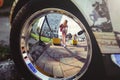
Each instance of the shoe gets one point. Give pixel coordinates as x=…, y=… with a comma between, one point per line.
x=64, y=45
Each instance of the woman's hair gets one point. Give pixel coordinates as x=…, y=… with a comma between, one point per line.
x=66, y=21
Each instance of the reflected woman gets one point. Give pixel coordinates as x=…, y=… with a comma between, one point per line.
x=63, y=29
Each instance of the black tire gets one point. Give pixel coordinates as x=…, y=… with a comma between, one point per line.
x=95, y=70
x=16, y=6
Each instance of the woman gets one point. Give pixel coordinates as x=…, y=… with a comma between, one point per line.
x=63, y=29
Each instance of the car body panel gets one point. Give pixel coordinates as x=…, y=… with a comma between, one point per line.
x=102, y=17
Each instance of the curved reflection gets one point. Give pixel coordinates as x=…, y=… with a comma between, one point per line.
x=45, y=48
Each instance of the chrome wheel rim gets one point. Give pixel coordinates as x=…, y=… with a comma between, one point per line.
x=54, y=62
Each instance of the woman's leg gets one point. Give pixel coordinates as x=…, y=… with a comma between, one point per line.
x=64, y=39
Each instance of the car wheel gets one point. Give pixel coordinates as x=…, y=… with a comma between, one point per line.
x=31, y=42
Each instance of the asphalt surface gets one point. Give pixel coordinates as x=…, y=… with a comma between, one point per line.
x=4, y=29
x=8, y=70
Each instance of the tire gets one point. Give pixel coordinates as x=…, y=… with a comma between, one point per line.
x=16, y=6
x=93, y=66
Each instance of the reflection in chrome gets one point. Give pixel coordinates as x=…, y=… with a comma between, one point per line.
x=42, y=48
